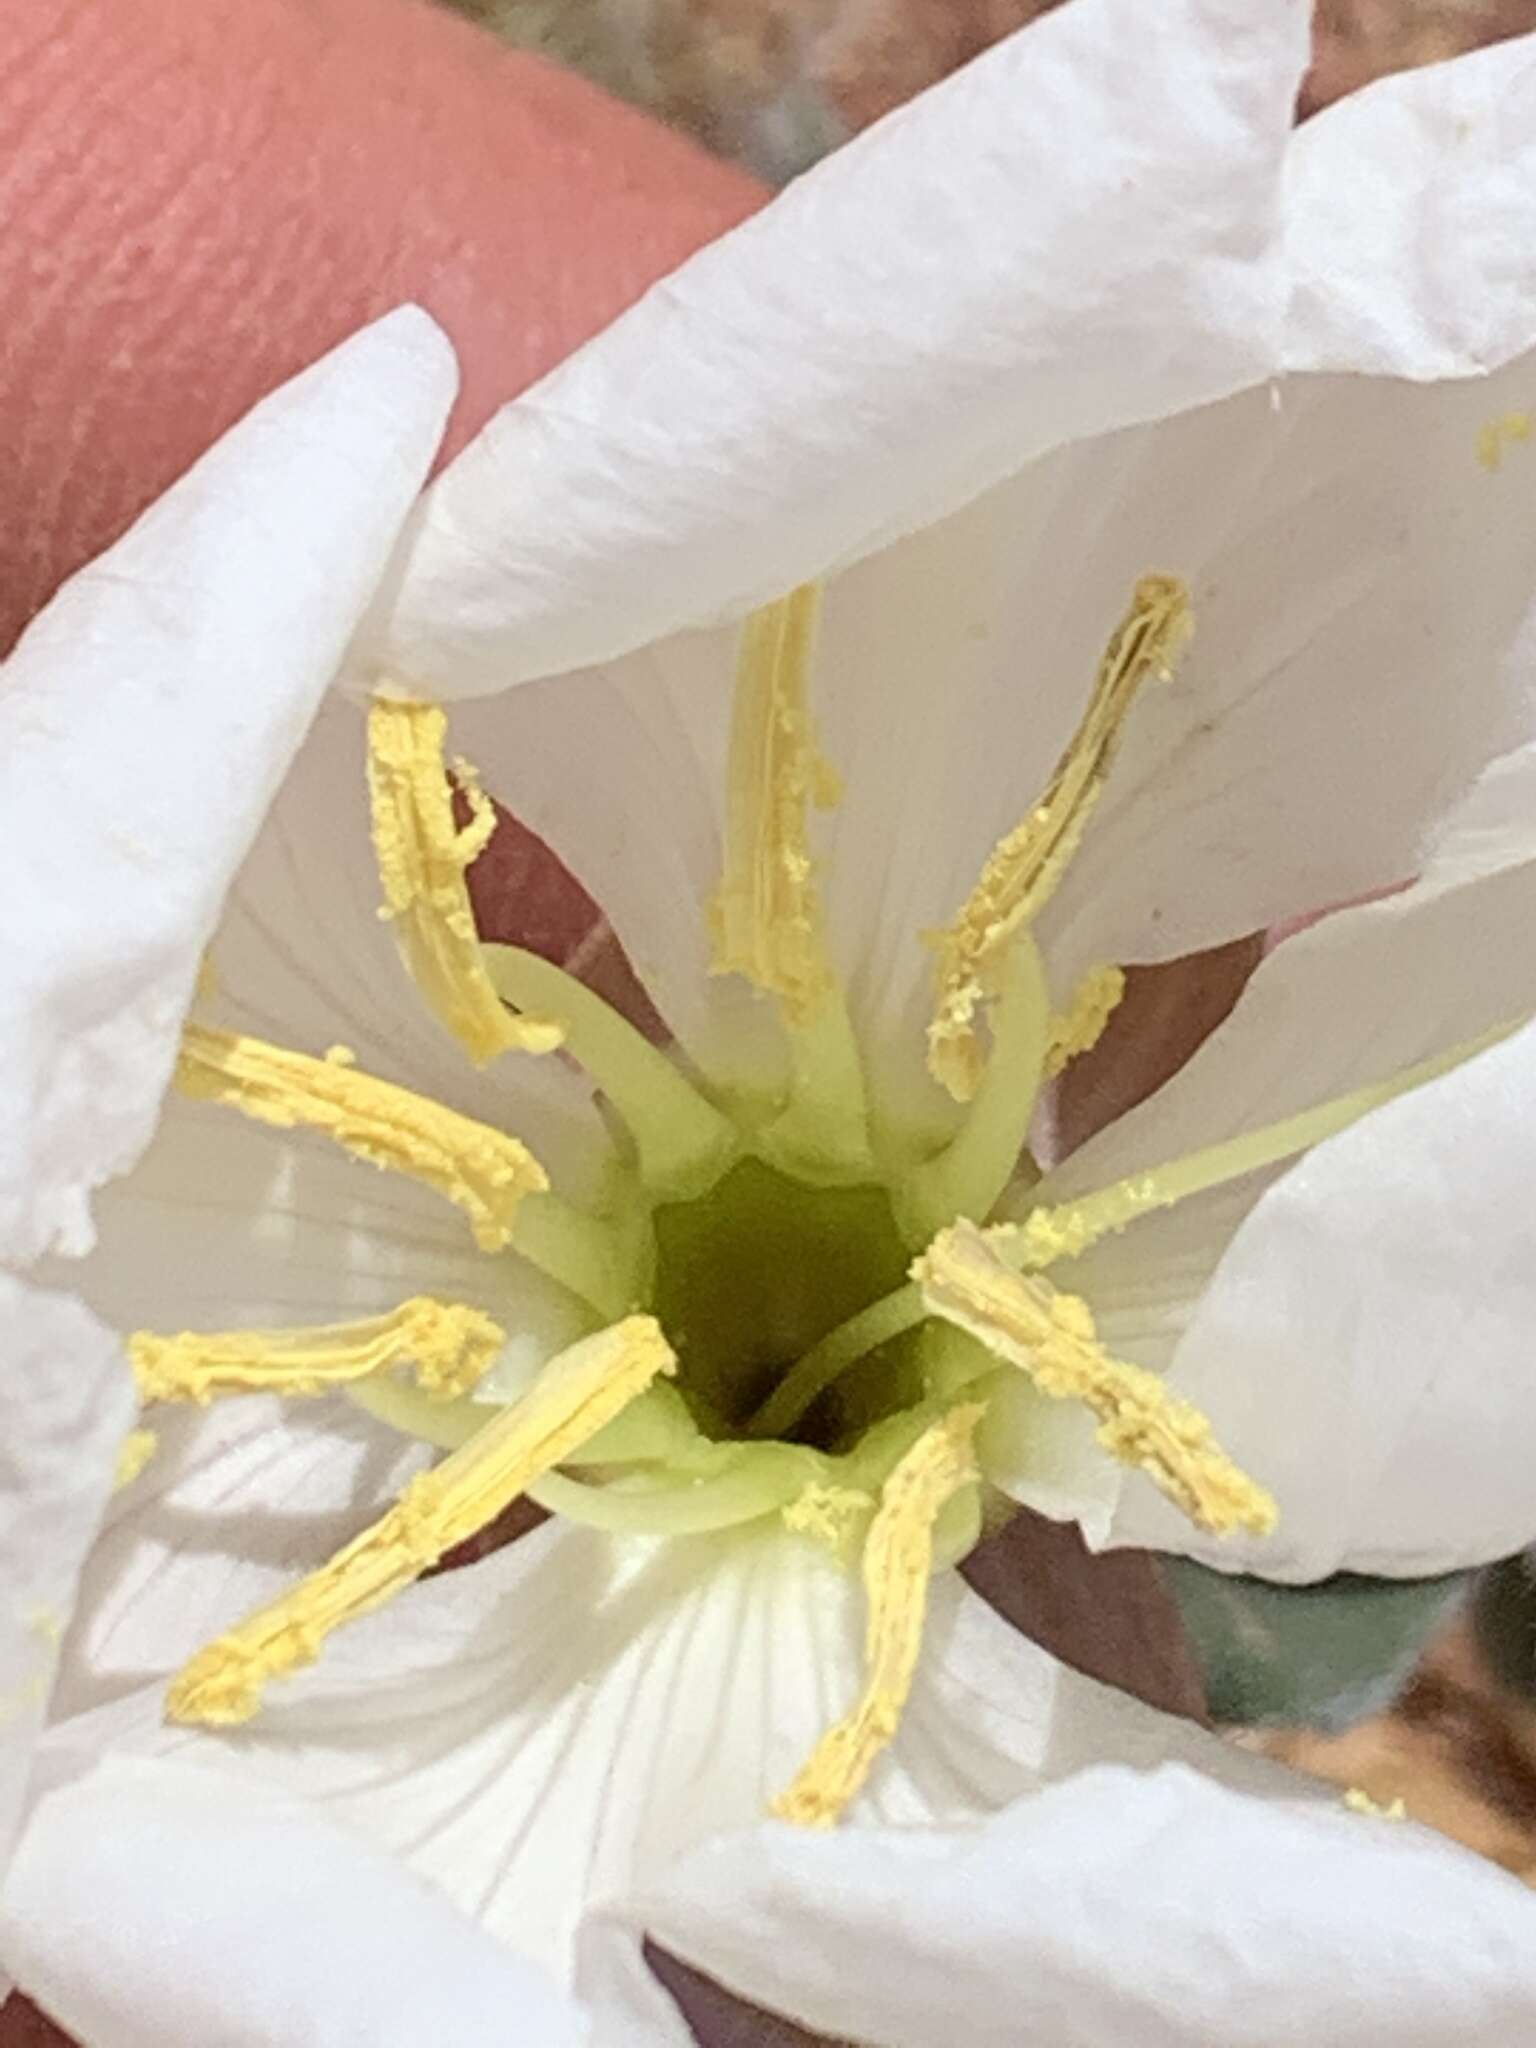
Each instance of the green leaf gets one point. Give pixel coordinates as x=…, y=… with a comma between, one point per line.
x=1504, y=1619
x=1321, y=1656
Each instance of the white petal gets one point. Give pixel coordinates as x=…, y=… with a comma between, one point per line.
x=145, y=720
x=925, y=312
x=153, y=1902
x=1365, y=1347
x=65, y=1402
x=1159, y=1909
x=1357, y=998
x=237, y=1502
x=1411, y=210
x=622, y=770
x=1309, y=742
x=549, y=1728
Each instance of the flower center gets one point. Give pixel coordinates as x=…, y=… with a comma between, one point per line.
x=750, y=1276
x=761, y=1344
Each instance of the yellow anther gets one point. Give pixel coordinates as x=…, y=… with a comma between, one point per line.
x=449, y=1345
x=829, y=1515
x=575, y=1396
x=1024, y=868
x=133, y=1454
x=1080, y=1026
x=1497, y=435
x=898, y=1558
x=1023, y=1320
x=766, y=915
x=484, y=1172
x=1358, y=1800
x=422, y=857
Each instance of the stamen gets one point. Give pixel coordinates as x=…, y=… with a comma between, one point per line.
x=1024, y=868
x=574, y=1396
x=1022, y=1319
x=1064, y=1230
x=133, y=1454
x=422, y=857
x=898, y=1558
x=766, y=914
x=484, y=1172
x=450, y=1346
x=1081, y=1025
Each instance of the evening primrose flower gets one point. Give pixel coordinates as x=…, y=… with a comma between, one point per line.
x=1056, y=638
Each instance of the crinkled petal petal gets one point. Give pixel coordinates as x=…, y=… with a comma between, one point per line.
x=1356, y=999
x=1309, y=744
x=65, y=1404
x=1159, y=1908
x=145, y=720
x=153, y=1902
x=1365, y=1346
x=1411, y=220
x=548, y=1729
x=911, y=322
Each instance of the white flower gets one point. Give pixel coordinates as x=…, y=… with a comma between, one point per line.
x=1269, y=633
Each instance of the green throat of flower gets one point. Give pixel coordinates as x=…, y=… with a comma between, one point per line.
x=790, y=1313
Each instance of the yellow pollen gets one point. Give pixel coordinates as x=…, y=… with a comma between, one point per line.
x=133, y=1454
x=1023, y=1320
x=577, y=1394
x=1497, y=435
x=1080, y=1026
x=484, y=1172
x=422, y=857
x=1360, y=1801
x=1024, y=868
x=449, y=1345
x=829, y=1515
x=766, y=915
x=898, y=1559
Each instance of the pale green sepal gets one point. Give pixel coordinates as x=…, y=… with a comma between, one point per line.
x=1320, y=1656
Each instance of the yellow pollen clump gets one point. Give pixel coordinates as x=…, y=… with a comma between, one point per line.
x=1022, y=1319
x=133, y=1454
x=1080, y=1026
x=422, y=857
x=450, y=1346
x=766, y=914
x=829, y=1515
x=1497, y=435
x=898, y=1559
x=1024, y=868
x=484, y=1172
x=576, y=1394
x=1358, y=1800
